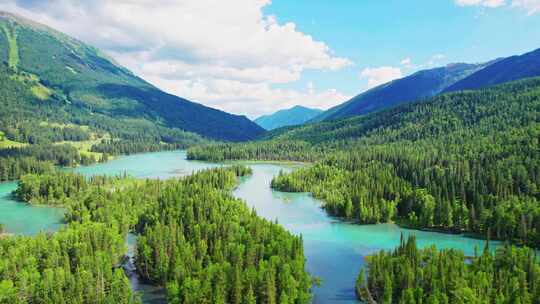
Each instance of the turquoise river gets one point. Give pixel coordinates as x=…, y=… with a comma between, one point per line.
x=335, y=250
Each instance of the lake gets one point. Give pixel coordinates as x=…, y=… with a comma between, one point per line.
x=335, y=250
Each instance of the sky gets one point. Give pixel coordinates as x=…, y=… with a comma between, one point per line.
x=255, y=57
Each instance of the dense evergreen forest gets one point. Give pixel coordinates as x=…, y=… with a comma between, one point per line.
x=78, y=264
x=15, y=162
x=194, y=238
x=408, y=275
x=461, y=162
x=33, y=131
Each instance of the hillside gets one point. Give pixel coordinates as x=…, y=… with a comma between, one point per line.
x=505, y=70
x=81, y=86
x=422, y=84
x=458, y=162
x=296, y=115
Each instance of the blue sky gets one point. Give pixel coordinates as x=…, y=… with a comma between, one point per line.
x=255, y=57
x=383, y=33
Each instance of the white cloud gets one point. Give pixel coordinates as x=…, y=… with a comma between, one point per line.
x=380, y=75
x=241, y=97
x=531, y=6
x=406, y=61
x=434, y=60
x=485, y=3
x=194, y=45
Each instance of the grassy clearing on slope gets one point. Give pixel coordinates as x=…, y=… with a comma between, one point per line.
x=85, y=147
x=13, y=48
x=64, y=125
x=6, y=143
x=41, y=91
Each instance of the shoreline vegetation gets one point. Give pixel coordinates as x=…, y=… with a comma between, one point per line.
x=465, y=162
x=411, y=275
x=454, y=163
x=194, y=238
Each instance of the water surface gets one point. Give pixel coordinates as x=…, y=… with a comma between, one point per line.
x=334, y=250
x=24, y=219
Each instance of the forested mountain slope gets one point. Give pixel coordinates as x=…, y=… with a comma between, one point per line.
x=296, y=115
x=505, y=70
x=466, y=161
x=71, y=82
x=422, y=84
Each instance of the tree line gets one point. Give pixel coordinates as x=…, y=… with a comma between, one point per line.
x=16, y=162
x=78, y=264
x=460, y=162
x=409, y=275
x=194, y=238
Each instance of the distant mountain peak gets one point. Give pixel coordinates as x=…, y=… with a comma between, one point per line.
x=295, y=115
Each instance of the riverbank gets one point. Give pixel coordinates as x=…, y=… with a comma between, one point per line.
x=334, y=249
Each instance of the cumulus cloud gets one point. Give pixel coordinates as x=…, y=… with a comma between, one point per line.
x=237, y=97
x=380, y=75
x=191, y=46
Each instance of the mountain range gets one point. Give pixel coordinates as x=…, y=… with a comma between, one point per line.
x=429, y=83
x=296, y=115
x=422, y=84
x=70, y=82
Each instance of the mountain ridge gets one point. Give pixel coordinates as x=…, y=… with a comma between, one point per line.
x=419, y=85
x=295, y=115
x=500, y=71
x=82, y=76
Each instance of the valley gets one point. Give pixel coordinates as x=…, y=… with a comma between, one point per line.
x=407, y=171
x=326, y=239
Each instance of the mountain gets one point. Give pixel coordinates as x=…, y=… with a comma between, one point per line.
x=422, y=84
x=296, y=115
x=505, y=70
x=82, y=86
x=429, y=164
x=478, y=112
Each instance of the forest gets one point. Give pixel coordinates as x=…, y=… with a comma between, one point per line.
x=16, y=162
x=35, y=134
x=194, y=238
x=464, y=162
x=409, y=275
x=461, y=162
